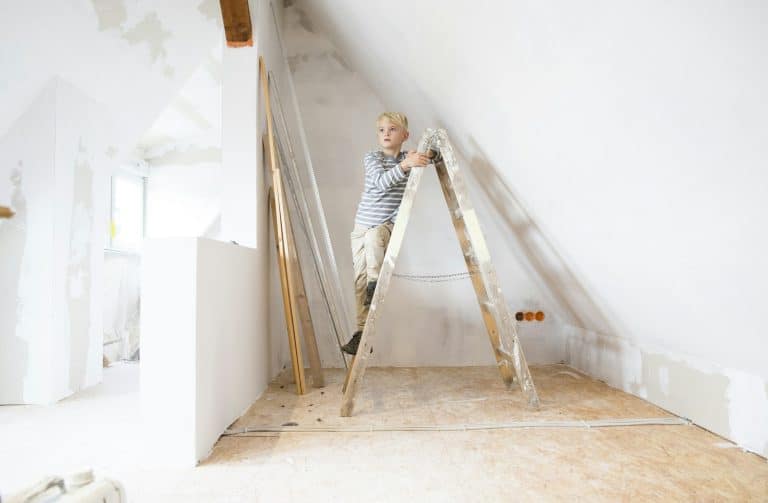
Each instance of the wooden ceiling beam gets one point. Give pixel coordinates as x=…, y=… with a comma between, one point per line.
x=237, y=23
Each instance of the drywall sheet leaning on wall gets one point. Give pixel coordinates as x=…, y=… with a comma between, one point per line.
x=327, y=301
x=319, y=272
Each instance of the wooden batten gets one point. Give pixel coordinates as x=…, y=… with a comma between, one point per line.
x=278, y=216
x=296, y=280
x=237, y=22
x=290, y=319
x=295, y=303
x=6, y=212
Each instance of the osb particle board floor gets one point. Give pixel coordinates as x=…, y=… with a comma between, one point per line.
x=101, y=428
x=638, y=463
x=445, y=396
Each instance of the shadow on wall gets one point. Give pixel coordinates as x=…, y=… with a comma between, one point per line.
x=535, y=251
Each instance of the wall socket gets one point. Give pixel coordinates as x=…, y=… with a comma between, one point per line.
x=529, y=316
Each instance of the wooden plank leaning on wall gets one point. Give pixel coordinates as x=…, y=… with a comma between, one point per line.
x=295, y=303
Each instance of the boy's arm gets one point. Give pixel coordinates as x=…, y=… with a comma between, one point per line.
x=381, y=178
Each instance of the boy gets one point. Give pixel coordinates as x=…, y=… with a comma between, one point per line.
x=386, y=174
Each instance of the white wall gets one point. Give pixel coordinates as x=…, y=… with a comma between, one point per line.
x=54, y=159
x=27, y=174
x=183, y=199
x=204, y=356
x=422, y=323
x=623, y=146
x=76, y=104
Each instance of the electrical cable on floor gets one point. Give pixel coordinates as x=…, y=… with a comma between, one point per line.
x=587, y=424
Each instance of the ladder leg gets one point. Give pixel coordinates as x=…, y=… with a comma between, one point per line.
x=496, y=314
x=349, y=372
x=357, y=368
x=487, y=307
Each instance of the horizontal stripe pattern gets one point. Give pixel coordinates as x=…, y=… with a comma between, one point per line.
x=384, y=186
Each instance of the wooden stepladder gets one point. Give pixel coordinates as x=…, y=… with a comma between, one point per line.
x=298, y=318
x=497, y=317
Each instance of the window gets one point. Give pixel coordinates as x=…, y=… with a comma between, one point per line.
x=127, y=208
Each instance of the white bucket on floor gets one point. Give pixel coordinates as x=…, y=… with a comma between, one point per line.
x=80, y=487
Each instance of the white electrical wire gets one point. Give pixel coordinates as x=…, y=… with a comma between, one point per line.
x=593, y=423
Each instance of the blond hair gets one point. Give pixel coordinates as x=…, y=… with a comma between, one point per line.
x=395, y=118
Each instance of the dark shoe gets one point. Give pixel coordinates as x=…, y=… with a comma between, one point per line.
x=369, y=290
x=351, y=347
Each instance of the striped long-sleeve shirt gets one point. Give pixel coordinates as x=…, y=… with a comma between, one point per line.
x=384, y=186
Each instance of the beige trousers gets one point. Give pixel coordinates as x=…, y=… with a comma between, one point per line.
x=369, y=245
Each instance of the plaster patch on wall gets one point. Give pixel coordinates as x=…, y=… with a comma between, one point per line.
x=748, y=410
x=728, y=402
x=612, y=359
x=150, y=31
x=79, y=269
x=692, y=392
x=111, y=14
x=13, y=238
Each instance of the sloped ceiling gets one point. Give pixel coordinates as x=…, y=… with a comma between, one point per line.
x=632, y=134
x=130, y=56
x=192, y=119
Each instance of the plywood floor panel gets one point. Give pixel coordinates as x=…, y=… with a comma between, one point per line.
x=637, y=463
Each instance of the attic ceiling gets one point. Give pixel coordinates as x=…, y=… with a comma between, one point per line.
x=192, y=119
